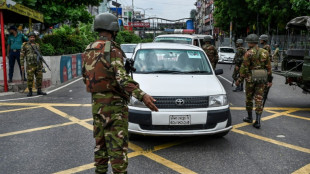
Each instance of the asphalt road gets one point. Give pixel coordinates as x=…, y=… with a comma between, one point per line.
x=53, y=134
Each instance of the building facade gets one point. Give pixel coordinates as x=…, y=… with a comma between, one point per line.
x=204, y=21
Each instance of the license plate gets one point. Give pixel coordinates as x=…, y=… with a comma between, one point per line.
x=180, y=120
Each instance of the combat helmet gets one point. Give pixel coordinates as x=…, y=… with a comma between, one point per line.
x=106, y=21
x=239, y=41
x=207, y=39
x=32, y=34
x=264, y=37
x=252, y=38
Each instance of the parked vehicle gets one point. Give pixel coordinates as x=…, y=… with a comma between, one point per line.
x=201, y=38
x=226, y=54
x=128, y=49
x=190, y=98
x=179, y=38
x=296, y=61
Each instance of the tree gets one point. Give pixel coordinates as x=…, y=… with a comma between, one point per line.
x=59, y=11
x=193, y=13
x=301, y=6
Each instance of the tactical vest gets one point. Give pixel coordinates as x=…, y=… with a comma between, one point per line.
x=259, y=74
x=98, y=71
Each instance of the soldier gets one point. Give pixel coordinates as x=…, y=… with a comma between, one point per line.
x=276, y=57
x=256, y=70
x=110, y=87
x=34, y=66
x=238, y=61
x=210, y=51
x=264, y=41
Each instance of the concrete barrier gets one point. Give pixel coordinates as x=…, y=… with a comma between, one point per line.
x=63, y=68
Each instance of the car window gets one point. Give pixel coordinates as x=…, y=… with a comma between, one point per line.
x=227, y=50
x=196, y=42
x=171, y=61
x=201, y=42
x=128, y=48
x=181, y=40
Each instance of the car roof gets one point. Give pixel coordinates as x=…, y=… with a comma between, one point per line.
x=202, y=36
x=178, y=35
x=160, y=45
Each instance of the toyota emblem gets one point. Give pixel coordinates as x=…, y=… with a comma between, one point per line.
x=179, y=102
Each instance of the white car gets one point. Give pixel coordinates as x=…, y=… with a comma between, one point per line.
x=226, y=54
x=190, y=98
x=128, y=49
x=179, y=38
x=201, y=38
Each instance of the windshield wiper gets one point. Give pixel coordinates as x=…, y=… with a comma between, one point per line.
x=195, y=72
x=164, y=71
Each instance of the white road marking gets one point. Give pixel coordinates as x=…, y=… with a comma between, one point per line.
x=226, y=80
x=49, y=92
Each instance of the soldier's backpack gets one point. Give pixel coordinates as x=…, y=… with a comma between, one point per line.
x=259, y=75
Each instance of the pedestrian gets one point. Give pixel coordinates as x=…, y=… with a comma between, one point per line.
x=256, y=70
x=211, y=51
x=34, y=65
x=15, y=41
x=111, y=88
x=238, y=59
x=264, y=42
x=276, y=57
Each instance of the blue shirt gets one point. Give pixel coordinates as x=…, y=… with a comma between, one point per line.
x=17, y=42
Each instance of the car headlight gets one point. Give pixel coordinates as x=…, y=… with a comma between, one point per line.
x=136, y=103
x=218, y=100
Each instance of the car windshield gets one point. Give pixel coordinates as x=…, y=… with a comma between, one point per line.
x=227, y=50
x=128, y=48
x=171, y=61
x=181, y=40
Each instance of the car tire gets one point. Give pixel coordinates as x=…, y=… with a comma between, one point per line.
x=220, y=135
x=133, y=137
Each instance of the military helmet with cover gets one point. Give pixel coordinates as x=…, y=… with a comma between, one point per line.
x=32, y=34
x=239, y=41
x=264, y=37
x=207, y=39
x=106, y=21
x=252, y=38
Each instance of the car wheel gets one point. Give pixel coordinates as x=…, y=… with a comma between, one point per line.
x=220, y=135
x=133, y=137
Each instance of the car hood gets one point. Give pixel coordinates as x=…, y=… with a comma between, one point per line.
x=179, y=85
x=228, y=54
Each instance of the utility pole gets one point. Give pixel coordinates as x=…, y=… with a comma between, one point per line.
x=133, y=15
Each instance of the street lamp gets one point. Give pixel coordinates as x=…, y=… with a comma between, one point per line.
x=144, y=9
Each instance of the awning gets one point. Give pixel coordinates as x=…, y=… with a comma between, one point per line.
x=302, y=22
x=16, y=13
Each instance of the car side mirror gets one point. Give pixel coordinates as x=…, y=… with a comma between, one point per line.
x=219, y=72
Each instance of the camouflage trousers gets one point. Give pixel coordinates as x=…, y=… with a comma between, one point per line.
x=255, y=91
x=276, y=61
x=34, y=71
x=110, y=114
x=236, y=73
x=213, y=65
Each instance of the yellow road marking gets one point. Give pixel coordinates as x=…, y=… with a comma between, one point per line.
x=21, y=109
x=71, y=118
x=275, y=115
x=168, y=163
x=303, y=170
x=39, y=128
x=45, y=104
x=290, y=146
x=293, y=116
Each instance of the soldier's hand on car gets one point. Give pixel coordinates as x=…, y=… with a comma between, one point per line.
x=149, y=102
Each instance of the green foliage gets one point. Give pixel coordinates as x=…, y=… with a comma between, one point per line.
x=124, y=37
x=67, y=40
x=146, y=40
x=273, y=14
x=47, y=49
x=59, y=11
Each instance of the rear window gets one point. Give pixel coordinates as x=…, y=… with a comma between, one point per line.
x=181, y=40
x=227, y=50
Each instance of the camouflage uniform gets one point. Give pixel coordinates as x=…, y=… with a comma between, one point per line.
x=211, y=52
x=33, y=68
x=256, y=90
x=109, y=107
x=238, y=61
x=276, y=57
x=268, y=48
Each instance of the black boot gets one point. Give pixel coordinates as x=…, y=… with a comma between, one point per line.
x=248, y=119
x=241, y=87
x=29, y=93
x=40, y=92
x=257, y=122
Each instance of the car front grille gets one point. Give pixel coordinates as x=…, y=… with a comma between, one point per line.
x=176, y=102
